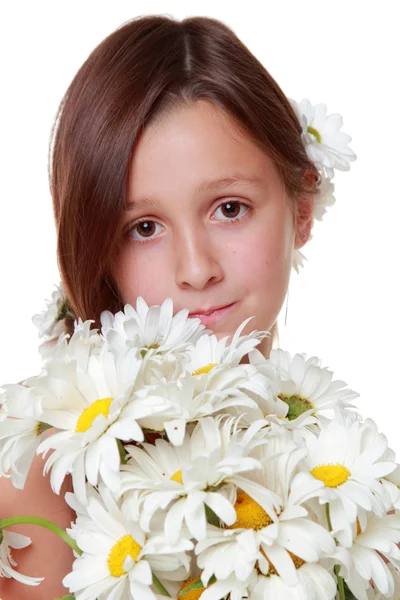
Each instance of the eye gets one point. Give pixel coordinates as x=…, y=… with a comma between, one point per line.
x=144, y=230
x=231, y=210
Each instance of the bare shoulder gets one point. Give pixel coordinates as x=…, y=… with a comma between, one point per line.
x=47, y=556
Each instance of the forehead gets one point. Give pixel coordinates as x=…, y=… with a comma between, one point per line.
x=192, y=147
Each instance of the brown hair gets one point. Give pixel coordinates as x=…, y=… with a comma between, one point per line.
x=144, y=68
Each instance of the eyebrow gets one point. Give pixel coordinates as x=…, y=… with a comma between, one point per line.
x=204, y=186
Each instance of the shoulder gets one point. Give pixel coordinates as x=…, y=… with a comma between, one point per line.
x=48, y=556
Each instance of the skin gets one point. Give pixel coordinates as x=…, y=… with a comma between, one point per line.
x=190, y=249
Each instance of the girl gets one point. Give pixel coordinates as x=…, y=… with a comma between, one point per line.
x=177, y=170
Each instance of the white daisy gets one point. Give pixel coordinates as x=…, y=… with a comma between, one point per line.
x=280, y=538
x=208, y=352
x=10, y=539
x=186, y=404
x=374, y=594
x=314, y=583
x=152, y=330
x=49, y=321
x=185, y=480
x=324, y=198
x=216, y=590
x=374, y=538
x=326, y=145
x=298, y=260
x=303, y=384
x=118, y=560
x=391, y=484
x=94, y=409
x=20, y=432
x=83, y=343
x=346, y=457
x=19, y=439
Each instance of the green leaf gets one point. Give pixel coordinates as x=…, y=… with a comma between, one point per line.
x=69, y=597
x=160, y=586
x=212, y=517
x=123, y=454
x=347, y=593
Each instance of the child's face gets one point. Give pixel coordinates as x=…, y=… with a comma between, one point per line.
x=188, y=246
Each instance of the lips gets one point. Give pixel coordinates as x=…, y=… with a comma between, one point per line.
x=201, y=311
x=213, y=315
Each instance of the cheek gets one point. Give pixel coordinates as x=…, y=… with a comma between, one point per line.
x=262, y=261
x=139, y=274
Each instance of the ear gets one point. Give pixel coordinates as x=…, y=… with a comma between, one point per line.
x=304, y=216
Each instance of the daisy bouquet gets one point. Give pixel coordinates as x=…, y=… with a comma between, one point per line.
x=197, y=474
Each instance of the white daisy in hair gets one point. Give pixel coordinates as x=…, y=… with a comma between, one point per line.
x=323, y=199
x=269, y=541
x=325, y=144
x=151, y=330
x=94, y=409
x=10, y=539
x=118, y=559
x=298, y=260
x=303, y=384
x=348, y=458
x=188, y=480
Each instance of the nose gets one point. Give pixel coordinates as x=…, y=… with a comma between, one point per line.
x=197, y=260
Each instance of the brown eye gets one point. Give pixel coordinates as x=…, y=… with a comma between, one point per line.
x=145, y=228
x=143, y=231
x=231, y=210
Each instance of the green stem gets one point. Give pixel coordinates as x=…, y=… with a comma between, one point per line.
x=160, y=586
x=328, y=516
x=342, y=594
x=336, y=568
x=43, y=523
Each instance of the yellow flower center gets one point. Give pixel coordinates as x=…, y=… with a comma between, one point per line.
x=193, y=594
x=249, y=514
x=315, y=133
x=177, y=476
x=331, y=475
x=298, y=562
x=126, y=546
x=205, y=369
x=98, y=407
x=145, y=349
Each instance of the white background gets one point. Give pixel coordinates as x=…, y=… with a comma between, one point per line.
x=343, y=306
